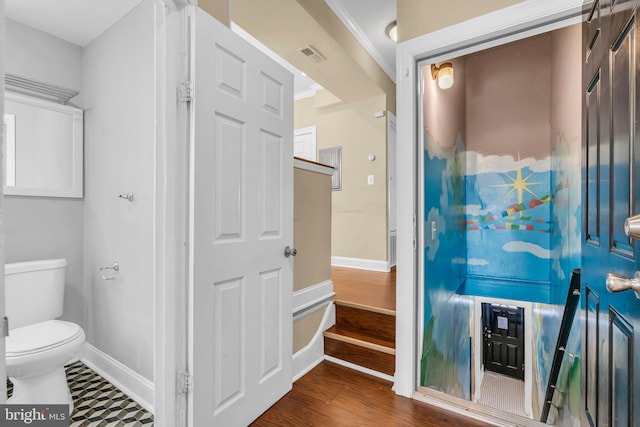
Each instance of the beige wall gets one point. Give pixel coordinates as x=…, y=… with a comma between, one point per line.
x=323, y=15
x=566, y=69
x=219, y=9
x=311, y=228
x=445, y=110
x=498, y=122
x=359, y=212
x=418, y=17
x=305, y=328
x=312, y=239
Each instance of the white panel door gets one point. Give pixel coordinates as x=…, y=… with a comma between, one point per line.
x=304, y=143
x=242, y=219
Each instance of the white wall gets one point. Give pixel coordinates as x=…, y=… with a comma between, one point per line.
x=38, y=227
x=119, y=158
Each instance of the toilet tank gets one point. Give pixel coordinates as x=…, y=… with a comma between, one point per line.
x=34, y=291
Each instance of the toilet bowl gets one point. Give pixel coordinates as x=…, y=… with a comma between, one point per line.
x=38, y=345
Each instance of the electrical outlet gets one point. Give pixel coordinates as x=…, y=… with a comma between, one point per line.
x=371, y=180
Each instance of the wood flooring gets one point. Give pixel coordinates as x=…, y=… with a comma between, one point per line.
x=332, y=395
x=364, y=288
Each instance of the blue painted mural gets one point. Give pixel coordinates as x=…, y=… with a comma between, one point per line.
x=565, y=239
x=445, y=357
x=502, y=219
x=508, y=218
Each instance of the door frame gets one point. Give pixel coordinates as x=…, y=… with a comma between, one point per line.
x=173, y=67
x=3, y=394
x=309, y=130
x=478, y=373
x=525, y=19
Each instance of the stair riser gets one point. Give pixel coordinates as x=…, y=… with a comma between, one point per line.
x=366, y=322
x=372, y=359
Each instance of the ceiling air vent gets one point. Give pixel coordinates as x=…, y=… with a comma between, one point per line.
x=312, y=53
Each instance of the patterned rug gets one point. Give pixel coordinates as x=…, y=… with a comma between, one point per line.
x=98, y=403
x=503, y=393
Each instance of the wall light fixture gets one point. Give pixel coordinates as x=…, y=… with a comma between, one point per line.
x=392, y=31
x=443, y=74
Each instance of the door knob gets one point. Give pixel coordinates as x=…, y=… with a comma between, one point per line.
x=618, y=283
x=632, y=227
x=290, y=252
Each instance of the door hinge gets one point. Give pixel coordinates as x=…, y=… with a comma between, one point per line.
x=415, y=232
x=5, y=326
x=185, y=91
x=184, y=382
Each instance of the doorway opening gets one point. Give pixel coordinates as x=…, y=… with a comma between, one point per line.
x=501, y=199
x=502, y=379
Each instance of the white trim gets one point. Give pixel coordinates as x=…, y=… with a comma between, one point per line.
x=10, y=149
x=313, y=90
x=76, y=115
x=521, y=20
x=362, y=38
x=127, y=380
x=360, y=263
x=359, y=368
x=303, y=95
x=170, y=209
x=312, y=354
x=313, y=167
x=484, y=417
x=312, y=295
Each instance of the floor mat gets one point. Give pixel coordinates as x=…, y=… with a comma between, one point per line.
x=503, y=393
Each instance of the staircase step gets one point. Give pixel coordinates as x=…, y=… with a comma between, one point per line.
x=362, y=323
x=370, y=355
x=337, y=333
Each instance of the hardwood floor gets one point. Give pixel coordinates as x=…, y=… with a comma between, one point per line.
x=332, y=395
x=365, y=288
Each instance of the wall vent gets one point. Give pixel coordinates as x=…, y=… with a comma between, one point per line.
x=312, y=53
x=393, y=247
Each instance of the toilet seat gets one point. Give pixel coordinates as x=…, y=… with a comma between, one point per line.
x=41, y=337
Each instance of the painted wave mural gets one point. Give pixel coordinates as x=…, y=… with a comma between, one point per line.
x=504, y=218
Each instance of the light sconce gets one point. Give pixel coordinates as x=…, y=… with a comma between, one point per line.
x=392, y=31
x=443, y=74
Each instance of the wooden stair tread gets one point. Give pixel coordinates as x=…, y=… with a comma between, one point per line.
x=359, y=355
x=372, y=289
x=365, y=307
x=361, y=340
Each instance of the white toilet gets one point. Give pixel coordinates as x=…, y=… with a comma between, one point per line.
x=38, y=345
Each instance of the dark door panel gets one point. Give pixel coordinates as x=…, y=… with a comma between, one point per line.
x=504, y=339
x=611, y=181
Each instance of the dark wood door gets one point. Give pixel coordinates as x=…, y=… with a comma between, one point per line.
x=503, y=328
x=610, y=167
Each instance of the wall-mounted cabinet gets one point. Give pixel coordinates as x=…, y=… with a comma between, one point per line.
x=43, y=148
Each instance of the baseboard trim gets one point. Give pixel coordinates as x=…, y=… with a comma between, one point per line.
x=127, y=380
x=359, y=368
x=309, y=356
x=361, y=264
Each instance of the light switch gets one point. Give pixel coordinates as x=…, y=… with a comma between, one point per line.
x=370, y=180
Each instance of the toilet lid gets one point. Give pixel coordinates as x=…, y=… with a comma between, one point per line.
x=40, y=337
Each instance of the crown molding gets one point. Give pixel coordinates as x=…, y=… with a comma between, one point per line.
x=356, y=31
